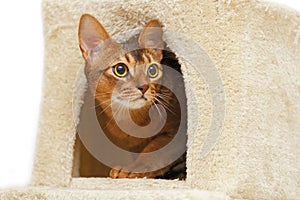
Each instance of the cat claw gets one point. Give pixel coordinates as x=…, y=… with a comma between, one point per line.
x=119, y=172
x=114, y=172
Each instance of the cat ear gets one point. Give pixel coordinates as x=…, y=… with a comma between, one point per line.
x=91, y=36
x=151, y=35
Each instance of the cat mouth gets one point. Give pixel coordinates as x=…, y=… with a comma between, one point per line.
x=134, y=103
x=139, y=98
x=133, y=100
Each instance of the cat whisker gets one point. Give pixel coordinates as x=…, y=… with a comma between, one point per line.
x=163, y=95
x=160, y=115
x=100, y=104
x=102, y=95
x=103, y=110
x=164, y=105
x=96, y=94
x=109, y=121
x=115, y=114
x=167, y=103
x=106, y=92
x=121, y=111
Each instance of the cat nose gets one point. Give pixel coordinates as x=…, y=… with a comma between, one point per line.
x=143, y=87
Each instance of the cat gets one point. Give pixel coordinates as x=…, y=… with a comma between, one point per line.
x=130, y=75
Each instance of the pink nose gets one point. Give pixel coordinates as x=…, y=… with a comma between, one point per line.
x=143, y=87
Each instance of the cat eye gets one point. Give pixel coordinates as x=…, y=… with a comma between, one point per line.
x=153, y=71
x=120, y=70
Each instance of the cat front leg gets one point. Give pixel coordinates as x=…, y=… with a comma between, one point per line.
x=142, y=167
x=130, y=172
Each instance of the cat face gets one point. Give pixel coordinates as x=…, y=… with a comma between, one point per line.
x=126, y=74
x=137, y=75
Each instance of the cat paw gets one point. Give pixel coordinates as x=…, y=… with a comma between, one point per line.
x=119, y=172
x=114, y=172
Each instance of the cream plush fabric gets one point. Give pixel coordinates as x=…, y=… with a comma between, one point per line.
x=256, y=48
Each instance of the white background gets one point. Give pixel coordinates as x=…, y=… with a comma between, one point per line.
x=21, y=53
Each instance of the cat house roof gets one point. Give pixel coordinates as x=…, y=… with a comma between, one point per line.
x=240, y=61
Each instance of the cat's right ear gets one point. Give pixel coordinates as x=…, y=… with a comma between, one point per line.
x=92, y=36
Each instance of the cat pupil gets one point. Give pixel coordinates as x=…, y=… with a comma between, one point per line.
x=120, y=69
x=152, y=70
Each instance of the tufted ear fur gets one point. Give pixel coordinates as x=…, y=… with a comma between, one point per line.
x=151, y=35
x=92, y=36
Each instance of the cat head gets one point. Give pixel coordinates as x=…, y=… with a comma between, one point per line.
x=127, y=74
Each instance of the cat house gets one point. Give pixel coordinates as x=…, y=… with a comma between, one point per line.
x=240, y=62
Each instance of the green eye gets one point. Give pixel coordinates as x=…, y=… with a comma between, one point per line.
x=153, y=71
x=120, y=70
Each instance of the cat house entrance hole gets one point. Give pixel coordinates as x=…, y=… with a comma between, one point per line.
x=86, y=165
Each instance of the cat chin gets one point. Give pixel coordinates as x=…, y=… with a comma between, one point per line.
x=133, y=104
x=139, y=103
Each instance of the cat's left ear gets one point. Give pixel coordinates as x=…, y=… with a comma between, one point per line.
x=151, y=36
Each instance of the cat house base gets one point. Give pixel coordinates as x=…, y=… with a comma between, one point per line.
x=243, y=102
x=60, y=194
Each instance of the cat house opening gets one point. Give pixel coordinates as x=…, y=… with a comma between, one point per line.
x=87, y=164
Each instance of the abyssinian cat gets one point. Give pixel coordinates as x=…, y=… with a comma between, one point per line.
x=130, y=75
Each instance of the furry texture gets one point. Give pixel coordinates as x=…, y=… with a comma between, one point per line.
x=255, y=46
x=42, y=193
